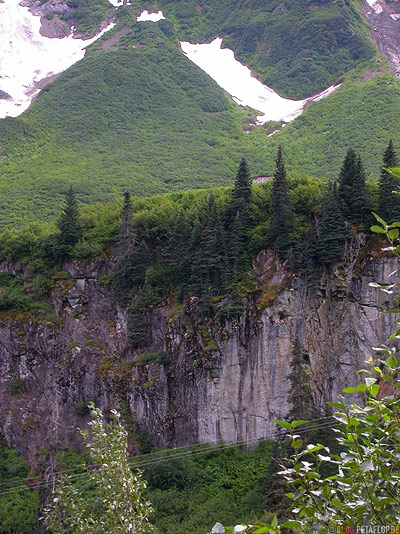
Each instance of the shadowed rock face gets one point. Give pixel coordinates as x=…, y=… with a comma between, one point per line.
x=217, y=380
x=385, y=32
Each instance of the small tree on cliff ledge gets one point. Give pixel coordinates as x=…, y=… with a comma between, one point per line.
x=117, y=506
x=69, y=225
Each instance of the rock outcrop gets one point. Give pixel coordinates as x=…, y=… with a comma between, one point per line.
x=202, y=379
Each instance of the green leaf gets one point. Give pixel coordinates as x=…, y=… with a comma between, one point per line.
x=295, y=424
x=379, y=219
x=296, y=444
x=377, y=229
x=291, y=523
x=358, y=389
x=393, y=234
x=274, y=522
x=374, y=390
x=391, y=362
x=337, y=405
x=284, y=424
x=395, y=171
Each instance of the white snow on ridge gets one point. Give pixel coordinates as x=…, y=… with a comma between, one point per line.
x=245, y=89
x=376, y=6
x=145, y=16
x=26, y=57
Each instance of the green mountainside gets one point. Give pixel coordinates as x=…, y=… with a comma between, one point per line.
x=296, y=47
x=136, y=114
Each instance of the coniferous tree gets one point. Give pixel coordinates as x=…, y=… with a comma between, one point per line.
x=389, y=202
x=127, y=243
x=280, y=213
x=195, y=259
x=352, y=190
x=347, y=176
x=138, y=326
x=126, y=231
x=212, y=246
x=361, y=205
x=300, y=395
x=175, y=253
x=69, y=225
x=242, y=189
x=332, y=230
x=238, y=217
x=302, y=408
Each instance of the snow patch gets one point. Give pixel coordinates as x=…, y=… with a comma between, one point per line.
x=245, y=89
x=26, y=56
x=376, y=6
x=145, y=16
x=119, y=3
x=395, y=16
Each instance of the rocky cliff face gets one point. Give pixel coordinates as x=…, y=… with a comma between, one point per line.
x=212, y=380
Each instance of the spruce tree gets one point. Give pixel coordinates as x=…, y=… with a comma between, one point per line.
x=280, y=213
x=238, y=215
x=70, y=226
x=127, y=243
x=194, y=259
x=126, y=230
x=389, y=202
x=332, y=230
x=352, y=189
x=347, y=176
x=242, y=189
x=361, y=205
x=212, y=246
x=175, y=253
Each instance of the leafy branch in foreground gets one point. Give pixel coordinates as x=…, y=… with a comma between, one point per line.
x=117, y=504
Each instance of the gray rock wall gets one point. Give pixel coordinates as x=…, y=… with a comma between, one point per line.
x=217, y=380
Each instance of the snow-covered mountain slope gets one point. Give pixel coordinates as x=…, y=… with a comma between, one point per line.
x=221, y=64
x=27, y=57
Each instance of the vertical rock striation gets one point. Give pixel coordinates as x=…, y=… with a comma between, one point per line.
x=212, y=379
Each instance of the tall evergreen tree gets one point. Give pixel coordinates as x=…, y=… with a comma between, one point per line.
x=175, y=253
x=300, y=395
x=352, y=189
x=238, y=214
x=361, y=204
x=280, y=213
x=389, y=202
x=213, y=246
x=242, y=189
x=332, y=229
x=347, y=176
x=127, y=234
x=132, y=256
x=70, y=225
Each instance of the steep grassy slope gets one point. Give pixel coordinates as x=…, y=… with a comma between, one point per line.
x=141, y=118
x=136, y=114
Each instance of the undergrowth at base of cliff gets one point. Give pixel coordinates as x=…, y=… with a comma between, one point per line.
x=188, y=494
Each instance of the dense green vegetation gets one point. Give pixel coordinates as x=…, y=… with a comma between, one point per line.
x=296, y=47
x=148, y=120
x=189, y=489
x=195, y=243
x=87, y=15
x=192, y=493
x=18, y=509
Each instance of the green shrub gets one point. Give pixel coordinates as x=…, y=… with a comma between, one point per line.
x=16, y=386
